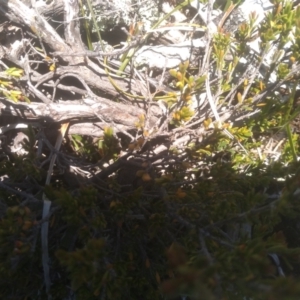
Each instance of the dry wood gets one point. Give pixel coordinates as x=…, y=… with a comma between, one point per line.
x=91, y=75
x=76, y=110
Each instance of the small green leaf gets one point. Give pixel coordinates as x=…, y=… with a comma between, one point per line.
x=14, y=72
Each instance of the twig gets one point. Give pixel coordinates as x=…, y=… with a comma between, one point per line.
x=21, y=194
x=89, y=53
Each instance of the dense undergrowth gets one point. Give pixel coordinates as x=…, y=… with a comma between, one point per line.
x=203, y=220
x=202, y=231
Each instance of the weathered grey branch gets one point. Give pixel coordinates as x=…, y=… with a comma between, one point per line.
x=21, y=14
x=102, y=109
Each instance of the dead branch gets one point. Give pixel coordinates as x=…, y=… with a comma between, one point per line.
x=100, y=109
x=91, y=75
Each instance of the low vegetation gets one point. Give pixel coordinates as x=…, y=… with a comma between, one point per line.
x=123, y=180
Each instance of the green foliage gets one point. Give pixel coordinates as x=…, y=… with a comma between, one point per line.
x=84, y=265
x=198, y=222
x=8, y=85
x=187, y=85
x=102, y=246
x=109, y=145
